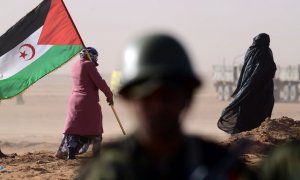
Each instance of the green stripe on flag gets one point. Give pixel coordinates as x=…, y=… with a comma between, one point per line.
x=51, y=60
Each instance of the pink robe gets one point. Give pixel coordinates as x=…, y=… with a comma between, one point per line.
x=84, y=112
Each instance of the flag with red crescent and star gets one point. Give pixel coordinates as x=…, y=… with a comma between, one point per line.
x=39, y=43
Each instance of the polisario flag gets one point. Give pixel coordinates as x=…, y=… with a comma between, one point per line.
x=39, y=43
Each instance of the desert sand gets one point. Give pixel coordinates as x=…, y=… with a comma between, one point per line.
x=31, y=132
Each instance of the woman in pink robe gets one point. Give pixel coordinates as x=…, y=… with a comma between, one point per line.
x=83, y=124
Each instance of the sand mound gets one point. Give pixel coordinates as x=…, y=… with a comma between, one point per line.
x=39, y=165
x=264, y=138
x=43, y=165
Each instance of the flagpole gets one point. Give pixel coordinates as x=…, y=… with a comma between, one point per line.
x=89, y=57
x=73, y=24
x=113, y=109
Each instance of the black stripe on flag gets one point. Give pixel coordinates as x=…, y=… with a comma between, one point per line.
x=24, y=27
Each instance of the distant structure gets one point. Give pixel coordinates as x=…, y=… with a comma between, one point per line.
x=286, y=82
x=19, y=99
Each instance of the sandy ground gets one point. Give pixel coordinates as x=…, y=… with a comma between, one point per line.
x=33, y=130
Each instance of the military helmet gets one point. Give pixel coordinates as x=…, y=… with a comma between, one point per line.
x=152, y=61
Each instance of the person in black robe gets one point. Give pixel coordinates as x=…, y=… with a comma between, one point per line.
x=253, y=99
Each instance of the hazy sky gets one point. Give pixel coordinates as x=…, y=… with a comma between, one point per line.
x=214, y=31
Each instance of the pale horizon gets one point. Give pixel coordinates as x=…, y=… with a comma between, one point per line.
x=214, y=32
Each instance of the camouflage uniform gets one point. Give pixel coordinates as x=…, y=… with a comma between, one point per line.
x=283, y=162
x=197, y=159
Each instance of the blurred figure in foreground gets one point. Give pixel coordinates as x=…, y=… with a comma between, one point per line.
x=253, y=98
x=83, y=125
x=283, y=162
x=159, y=83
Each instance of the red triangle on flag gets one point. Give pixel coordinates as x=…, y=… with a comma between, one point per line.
x=58, y=28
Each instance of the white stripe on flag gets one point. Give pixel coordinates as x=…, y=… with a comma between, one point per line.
x=12, y=62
